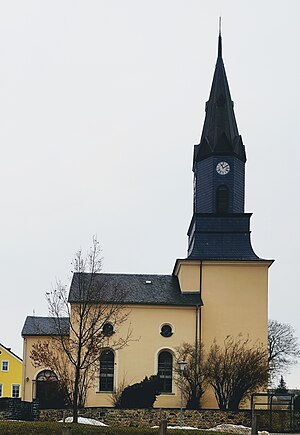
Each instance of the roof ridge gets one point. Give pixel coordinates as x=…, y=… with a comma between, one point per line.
x=8, y=349
x=126, y=274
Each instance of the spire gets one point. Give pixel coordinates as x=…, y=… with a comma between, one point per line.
x=220, y=40
x=220, y=132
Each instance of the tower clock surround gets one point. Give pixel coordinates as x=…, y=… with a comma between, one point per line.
x=223, y=168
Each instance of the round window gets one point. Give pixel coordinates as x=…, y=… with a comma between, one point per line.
x=108, y=330
x=166, y=331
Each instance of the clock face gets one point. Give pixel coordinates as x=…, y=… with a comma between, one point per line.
x=223, y=168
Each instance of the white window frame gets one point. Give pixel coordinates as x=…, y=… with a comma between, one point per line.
x=1, y=390
x=12, y=391
x=2, y=363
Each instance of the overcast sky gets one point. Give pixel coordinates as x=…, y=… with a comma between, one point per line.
x=101, y=103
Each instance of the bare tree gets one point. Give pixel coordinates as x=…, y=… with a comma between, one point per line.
x=235, y=369
x=194, y=383
x=117, y=393
x=92, y=304
x=283, y=347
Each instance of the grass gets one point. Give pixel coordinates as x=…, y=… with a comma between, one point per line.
x=53, y=428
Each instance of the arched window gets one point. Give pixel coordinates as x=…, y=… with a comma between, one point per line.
x=165, y=365
x=107, y=361
x=222, y=199
x=47, y=376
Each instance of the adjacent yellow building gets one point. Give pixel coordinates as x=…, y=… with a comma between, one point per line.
x=10, y=373
x=219, y=289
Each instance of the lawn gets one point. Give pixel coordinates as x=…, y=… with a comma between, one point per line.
x=53, y=428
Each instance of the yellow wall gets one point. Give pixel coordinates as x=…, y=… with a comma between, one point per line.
x=14, y=374
x=235, y=301
x=29, y=371
x=188, y=273
x=139, y=358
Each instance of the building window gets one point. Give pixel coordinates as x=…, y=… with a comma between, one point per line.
x=1, y=390
x=5, y=366
x=165, y=365
x=107, y=361
x=47, y=376
x=166, y=331
x=15, y=391
x=222, y=199
x=108, y=329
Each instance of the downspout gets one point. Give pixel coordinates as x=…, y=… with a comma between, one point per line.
x=198, y=335
x=24, y=369
x=200, y=295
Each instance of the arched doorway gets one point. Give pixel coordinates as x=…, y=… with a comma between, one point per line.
x=48, y=391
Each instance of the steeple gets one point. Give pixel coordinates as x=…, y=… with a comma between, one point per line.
x=220, y=229
x=220, y=133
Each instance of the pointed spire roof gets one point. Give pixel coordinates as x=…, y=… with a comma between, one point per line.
x=220, y=133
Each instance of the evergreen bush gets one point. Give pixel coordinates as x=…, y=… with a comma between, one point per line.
x=140, y=395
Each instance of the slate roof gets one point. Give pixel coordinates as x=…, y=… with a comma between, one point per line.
x=45, y=326
x=220, y=237
x=220, y=133
x=134, y=290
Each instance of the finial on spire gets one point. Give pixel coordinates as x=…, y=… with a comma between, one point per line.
x=220, y=39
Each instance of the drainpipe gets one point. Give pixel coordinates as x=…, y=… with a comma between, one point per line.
x=200, y=312
x=198, y=335
x=24, y=369
x=197, y=326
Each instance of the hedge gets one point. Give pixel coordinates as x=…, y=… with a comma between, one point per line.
x=53, y=428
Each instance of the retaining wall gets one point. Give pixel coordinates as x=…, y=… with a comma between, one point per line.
x=151, y=417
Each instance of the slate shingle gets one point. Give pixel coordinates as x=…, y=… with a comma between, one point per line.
x=134, y=289
x=45, y=326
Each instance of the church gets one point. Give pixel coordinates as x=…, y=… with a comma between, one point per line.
x=219, y=289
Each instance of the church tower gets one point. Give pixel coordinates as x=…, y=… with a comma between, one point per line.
x=221, y=268
x=219, y=228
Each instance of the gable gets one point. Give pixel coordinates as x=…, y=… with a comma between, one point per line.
x=7, y=353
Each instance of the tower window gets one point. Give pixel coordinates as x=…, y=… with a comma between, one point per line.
x=222, y=199
x=165, y=363
x=107, y=360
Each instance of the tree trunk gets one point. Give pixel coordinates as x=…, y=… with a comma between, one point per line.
x=75, y=412
x=75, y=396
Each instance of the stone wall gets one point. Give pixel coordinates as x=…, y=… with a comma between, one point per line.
x=16, y=409
x=151, y=417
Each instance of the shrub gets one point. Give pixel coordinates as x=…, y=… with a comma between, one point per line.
x=140, y=395
x=53, y=428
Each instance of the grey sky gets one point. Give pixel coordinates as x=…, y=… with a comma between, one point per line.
x=101, y=103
